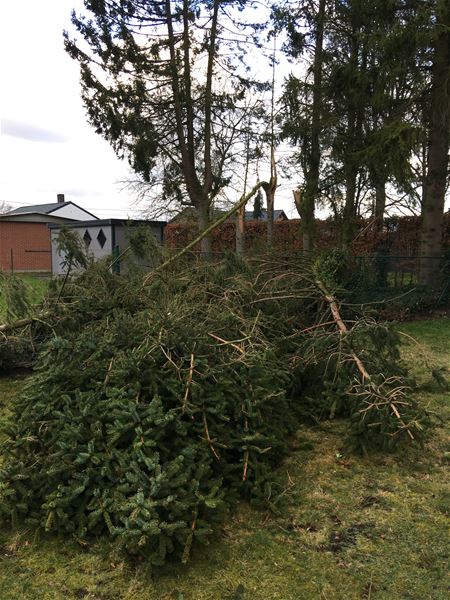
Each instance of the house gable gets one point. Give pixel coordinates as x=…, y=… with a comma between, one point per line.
x=70, y=210
x=54, y=212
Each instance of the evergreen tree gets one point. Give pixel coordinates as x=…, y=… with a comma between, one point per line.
x=393, y=87
x=258, y=206
x=351, y=115
x=438, y=145
x=304, y=102
x=348, y=95
x=159, y=84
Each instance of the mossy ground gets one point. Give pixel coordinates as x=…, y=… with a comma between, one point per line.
x=351, y=527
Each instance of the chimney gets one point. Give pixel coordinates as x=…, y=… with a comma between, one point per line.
x=60, y=198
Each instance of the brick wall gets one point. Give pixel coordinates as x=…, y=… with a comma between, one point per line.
x=30, y=246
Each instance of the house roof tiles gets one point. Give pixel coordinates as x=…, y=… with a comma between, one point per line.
x=45, y=209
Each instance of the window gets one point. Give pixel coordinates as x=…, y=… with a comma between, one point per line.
x=87, y=238
x=101, y=238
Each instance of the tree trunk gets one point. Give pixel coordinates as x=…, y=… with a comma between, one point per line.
x=270, y=200
x=270, y=190
x=240, y=231
x=307, y=234
x=212, y=50
x=203, y=224
x=308, y=213
x=310, y=192
x=307, y=242
x=437, y=165
x=380, y=202
x=349, y=213
x=355, y=119
x=240, y=215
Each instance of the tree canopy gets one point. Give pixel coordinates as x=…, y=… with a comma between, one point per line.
x=364, y=102
x=163, y=82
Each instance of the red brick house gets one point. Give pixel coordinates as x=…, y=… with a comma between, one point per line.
x=25, y=244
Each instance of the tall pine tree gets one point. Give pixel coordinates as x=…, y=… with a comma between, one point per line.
x=304, y=102
x=159, y=84
x=438, y=146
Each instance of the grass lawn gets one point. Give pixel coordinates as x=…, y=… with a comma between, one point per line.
x=352, y=528
x=36, y=287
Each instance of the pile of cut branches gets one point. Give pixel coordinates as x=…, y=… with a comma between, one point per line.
x=154, y=406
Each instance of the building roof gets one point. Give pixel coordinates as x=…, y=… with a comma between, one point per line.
x=189, y=214
x=104, y=222
x=44, y=209
x=278, y=215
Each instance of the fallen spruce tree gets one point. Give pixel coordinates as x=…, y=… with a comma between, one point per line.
x=153, y=407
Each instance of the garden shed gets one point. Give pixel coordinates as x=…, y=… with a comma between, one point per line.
x=101, y=237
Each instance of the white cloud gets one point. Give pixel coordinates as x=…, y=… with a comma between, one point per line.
x=30, y=132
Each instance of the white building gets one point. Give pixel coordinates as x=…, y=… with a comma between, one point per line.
x=102, y=237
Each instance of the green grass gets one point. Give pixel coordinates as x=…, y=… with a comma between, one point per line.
x=352, y=527
x=36, y=288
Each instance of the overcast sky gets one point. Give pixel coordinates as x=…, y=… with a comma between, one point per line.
x=46, y=144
